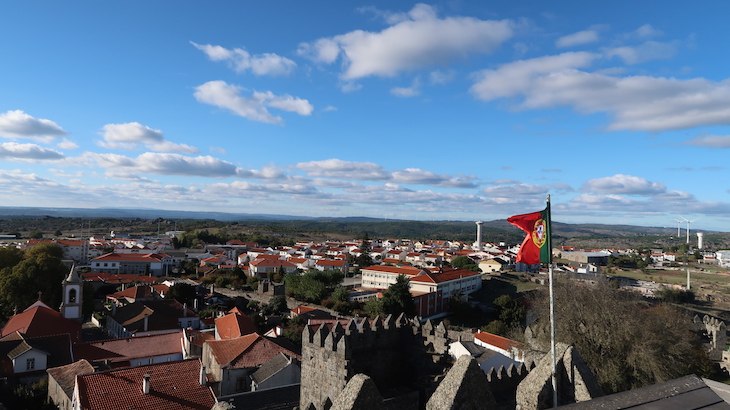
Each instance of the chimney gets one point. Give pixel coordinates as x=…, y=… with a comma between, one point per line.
x=146, y=322
x=203, y=379
x=146, y=384
x=185, y=309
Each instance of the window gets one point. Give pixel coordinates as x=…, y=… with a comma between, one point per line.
x=72, y=296
x=30, y=364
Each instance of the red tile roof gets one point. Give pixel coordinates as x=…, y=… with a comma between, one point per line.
x=234, y=325
x=259, y=262
x=117, y=278
x=330, y=262
x=497, y=341
x=174, y=385
x=405, y=270
x=445, y=276
x=65, y=376
x=121, y=351
x=40, y=320
x=247, y=351
x=131, y=257
x=302, y=309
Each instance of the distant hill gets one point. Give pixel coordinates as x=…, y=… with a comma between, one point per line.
x=148, y=221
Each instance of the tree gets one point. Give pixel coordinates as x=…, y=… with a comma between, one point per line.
x=277, y=304
x=511, y=312
x=374, y=307
x=41, y=269
x=182, y=292
x=465, y=262
x=35, y=234
x=58, y=233
x=397, y=298
x=626, y=342
x=340, y=294
x=364, y=258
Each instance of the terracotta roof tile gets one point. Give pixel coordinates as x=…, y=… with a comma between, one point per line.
x=40, y=320
x=174, y=385
x=247, y=351
x=234, y=325
x=123, y=350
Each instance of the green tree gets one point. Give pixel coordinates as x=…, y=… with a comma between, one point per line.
x=277, y=304
x=397, y=298
x=465, y=262
x=35, y=234
x=182, y=292
x=190, y=266
x=40, y=270
x=364, y=258
x=58, y=233
x=340, y=294
x=510, y=311
x=374, y=307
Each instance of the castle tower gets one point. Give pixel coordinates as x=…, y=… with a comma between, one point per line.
x=73, y=290
x=478, y=244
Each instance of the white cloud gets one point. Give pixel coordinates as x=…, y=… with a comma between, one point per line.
x=644, y=32
x=129, y=135
x=419, y=176
x=519, y=76
x=420, y=40
x=241, y=60
x=648, y=51
x=711, y=141
x=224, y=95
x=637, y=103
x=27, y=152
x=620, y=184
x=439, y=77
x=577, y=39
x=17, y=124
x=336, y=168
x=516, y=190
x=407, y=92
x=166, y=164
x=67, y=144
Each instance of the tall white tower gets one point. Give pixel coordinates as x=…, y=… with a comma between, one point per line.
x=700, y=237
x=479, y=236
x=73, y=290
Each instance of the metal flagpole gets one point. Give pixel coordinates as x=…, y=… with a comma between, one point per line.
x=552, y=305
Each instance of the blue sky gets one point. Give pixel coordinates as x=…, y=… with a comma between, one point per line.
x=443, y=110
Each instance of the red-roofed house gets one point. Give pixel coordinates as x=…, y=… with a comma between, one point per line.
x=233, y=325
x=137, y=294
x=230, y=363
x=330, y=264
x=508, y=347
x=40, y=320
x=264, y=266
x=163, y=386
x=133, y=351
x=61, y=382
x=154, y=264
x=150, y=317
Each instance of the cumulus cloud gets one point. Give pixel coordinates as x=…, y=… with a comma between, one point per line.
x=224, y=95
x=711, y=141
x=130, y=135
x=337, y=168
x=27, y=152
x=244, y=188
x=407, y=92
x=67, y=144
x=166, y=164
x=648, y=51
x=516, y=190
x=419, y=176
x=420, y=39
x=641, y=103
x=241, y=60
x=577, y=39
x=17, y=124
x=644, y=32
x=620, y=184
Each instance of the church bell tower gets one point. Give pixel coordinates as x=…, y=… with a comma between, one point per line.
x=73, y=287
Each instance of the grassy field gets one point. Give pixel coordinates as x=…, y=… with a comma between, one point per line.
x=677, y=276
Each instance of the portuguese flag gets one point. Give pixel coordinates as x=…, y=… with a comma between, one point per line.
x=537, y=246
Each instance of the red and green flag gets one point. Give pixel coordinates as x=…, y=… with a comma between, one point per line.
x=537, y=246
